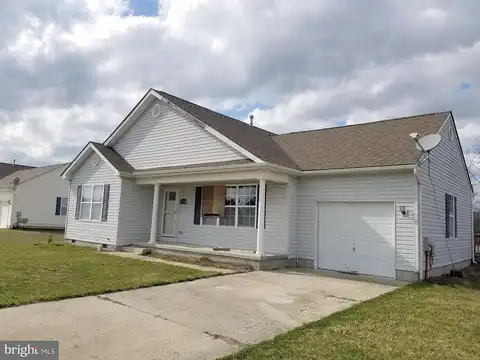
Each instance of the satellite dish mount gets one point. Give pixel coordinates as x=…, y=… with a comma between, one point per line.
x=425, y=144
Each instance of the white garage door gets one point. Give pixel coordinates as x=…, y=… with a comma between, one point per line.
x=357, y=237
x=4, y=210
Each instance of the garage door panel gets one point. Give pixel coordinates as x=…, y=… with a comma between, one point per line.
x=357, y=237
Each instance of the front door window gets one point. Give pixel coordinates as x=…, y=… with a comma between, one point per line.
x=169, y=213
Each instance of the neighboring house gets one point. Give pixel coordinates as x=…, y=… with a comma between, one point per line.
x=351, y=198
x=7, y=169
x=34, y=198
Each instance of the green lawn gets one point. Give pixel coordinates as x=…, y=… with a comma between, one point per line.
x=417, y=322
x=32, y=270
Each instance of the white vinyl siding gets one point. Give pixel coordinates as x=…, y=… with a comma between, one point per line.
x=104, y=232
x=293, y=216
x=395, y=187
x=449, y=176
x=135, y=213
x=170, y=140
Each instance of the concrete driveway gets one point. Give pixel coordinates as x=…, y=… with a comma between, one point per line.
x=202, y=319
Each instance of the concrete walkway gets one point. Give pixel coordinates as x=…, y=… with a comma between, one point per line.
x=176, y=263
x=201, y=319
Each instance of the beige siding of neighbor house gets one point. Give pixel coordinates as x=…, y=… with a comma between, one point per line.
x=103, y=232
x=449, y=175
x=36, y=200
x=394, y=187
x=171, y=139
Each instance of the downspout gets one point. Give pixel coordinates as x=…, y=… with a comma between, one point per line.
x=297, y=185
x=473, y=230
x=420, y=249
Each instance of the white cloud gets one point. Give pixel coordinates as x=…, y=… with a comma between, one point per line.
x=72, y=69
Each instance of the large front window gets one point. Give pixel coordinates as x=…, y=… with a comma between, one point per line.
x=231, y=205
x=91, y=203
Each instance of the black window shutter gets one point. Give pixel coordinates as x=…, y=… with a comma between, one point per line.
x=198, y=205
x=57, y=206
x=79, y=200
x=455, y=204
x=264, y=208
x=106, y=195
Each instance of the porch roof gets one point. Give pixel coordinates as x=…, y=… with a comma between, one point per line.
x=192, y=166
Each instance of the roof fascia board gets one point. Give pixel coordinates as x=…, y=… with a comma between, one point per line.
x=213, y=169
x=82, y=157
x=359, y=170
x=273, y=167
x=218, y=177
x=457, y=138
x=198, y=170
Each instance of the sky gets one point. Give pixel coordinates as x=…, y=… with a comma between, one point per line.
x=71, y=70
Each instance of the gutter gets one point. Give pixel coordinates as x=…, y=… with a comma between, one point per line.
x=359, y=170
x=211, y=169
x=264, y=166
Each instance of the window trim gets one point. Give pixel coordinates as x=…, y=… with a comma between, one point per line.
x=451, y=230
x=236, y=207
x=62, y=206
x=91, y=202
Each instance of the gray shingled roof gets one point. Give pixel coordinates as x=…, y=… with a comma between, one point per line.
x=7, y=169
x=381, y=143
x=113, y=157
x=256, y=140
x=28, y=174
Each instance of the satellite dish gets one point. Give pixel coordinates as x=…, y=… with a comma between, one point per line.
x=16, y=181
x=428, y=142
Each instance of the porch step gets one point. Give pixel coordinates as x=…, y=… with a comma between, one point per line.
x=236, y=258
x=136, y=250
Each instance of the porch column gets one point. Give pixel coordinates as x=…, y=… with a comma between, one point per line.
x=261, y=217
x=153, y=228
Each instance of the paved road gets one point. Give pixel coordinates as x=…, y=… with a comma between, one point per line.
x=201, y=319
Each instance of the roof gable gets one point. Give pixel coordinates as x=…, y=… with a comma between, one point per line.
x=107, y=154
x=163, y=136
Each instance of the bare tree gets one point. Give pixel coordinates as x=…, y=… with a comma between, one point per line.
x=473, y=165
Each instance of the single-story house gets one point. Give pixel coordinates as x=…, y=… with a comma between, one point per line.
x=352, y=198
x=34, y=198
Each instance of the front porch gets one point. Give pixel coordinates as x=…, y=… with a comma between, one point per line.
x=223, y=255
x=241, y=217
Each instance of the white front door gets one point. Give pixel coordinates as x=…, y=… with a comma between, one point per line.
x=357, y=237
x=4, y=210
x=170, y=205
